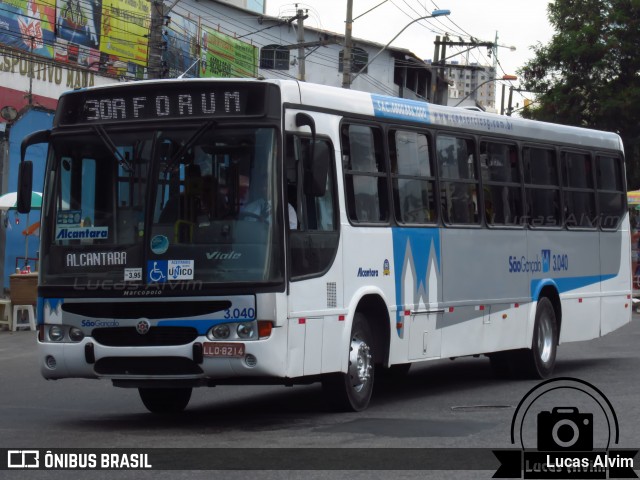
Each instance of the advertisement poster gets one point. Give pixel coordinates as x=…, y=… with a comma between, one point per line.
x=224, y=56
x=182, y=52
x=28, y=25
x=125, y=27
x=78, y=32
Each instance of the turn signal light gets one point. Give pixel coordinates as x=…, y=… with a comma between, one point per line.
x=264, y=328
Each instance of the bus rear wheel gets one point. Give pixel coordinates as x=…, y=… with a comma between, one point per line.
x=539, y=361
x=165, y=400
x=352, y=391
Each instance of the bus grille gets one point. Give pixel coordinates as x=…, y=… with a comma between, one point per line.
x=157, y=336
x=146, y=366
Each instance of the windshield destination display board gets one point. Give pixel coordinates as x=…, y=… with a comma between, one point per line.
x=161, y=101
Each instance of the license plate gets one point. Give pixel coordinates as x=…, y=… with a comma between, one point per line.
x=215, y=349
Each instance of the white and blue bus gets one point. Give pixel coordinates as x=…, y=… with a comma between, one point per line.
x=211, y=232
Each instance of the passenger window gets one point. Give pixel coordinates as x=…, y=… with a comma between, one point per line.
x=501, y=183
x=365, y=174
x=612, y=199
x=542, y=188
x=579, y=196
x=458, y=180
x=413, y=178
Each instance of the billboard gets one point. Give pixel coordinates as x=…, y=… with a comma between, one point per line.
x=28, y=25
x=224, y=56
x=125, y=30
x=182, y=46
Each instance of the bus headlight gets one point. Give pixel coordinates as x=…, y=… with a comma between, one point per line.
x=75, y=334
x=56, y=333
x=245, y=330
x=221, y=331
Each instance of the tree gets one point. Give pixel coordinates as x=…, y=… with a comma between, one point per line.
x=589, y=73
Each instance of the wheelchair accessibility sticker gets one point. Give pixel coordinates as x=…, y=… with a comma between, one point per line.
x=161, y=271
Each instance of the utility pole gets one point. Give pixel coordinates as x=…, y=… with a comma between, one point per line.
x=509, y=108
x=300, y=16
x=157, y=44
x=348, y=44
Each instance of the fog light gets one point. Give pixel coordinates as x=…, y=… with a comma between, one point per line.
x=56, y=333
x=250, y=360
x=50, y=362
x=75, y=334
x=221, y=331
x=245, y=330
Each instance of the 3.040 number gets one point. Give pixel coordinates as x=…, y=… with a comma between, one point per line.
x=560, y=262
x=240, y=313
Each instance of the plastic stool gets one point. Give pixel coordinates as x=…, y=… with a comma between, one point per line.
x=16, y=317
x=5, y=304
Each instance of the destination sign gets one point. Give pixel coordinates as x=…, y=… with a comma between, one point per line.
x=160, y=101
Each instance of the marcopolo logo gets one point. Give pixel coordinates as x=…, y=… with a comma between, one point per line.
x=557, y=440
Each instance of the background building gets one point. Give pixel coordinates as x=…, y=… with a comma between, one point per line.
x=472, y=84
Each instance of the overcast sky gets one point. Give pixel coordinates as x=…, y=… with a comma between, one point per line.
x=519, y=23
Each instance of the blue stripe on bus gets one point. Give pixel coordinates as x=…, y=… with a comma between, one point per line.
x=566, y=284
x=413, y=246
x=400, y=109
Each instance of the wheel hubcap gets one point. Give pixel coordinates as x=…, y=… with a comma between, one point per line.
x=545, y=338
x=360, y=365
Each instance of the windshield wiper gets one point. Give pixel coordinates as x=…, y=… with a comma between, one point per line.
x=186, y=145
x=122, y=161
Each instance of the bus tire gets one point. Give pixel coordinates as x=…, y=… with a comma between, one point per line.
x=352, y=391
x=165, y=400
x=539, y=361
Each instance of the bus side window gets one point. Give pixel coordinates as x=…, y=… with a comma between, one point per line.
x=365, y=174
x=611, y=191
x=501, y=183
x=459, y=182
x=579, y=194
x=542, y=187
x=413, y=178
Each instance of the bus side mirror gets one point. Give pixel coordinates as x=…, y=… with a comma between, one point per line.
x=316, y=170
x=25, y=186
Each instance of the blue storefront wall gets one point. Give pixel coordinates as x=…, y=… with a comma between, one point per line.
x=31, y=121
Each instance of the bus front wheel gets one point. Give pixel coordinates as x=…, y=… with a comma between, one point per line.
x=165, y=400
x=352, y=391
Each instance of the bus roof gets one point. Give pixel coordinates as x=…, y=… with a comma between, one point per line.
x=357, y=102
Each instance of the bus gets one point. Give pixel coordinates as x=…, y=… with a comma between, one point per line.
x=200, y=232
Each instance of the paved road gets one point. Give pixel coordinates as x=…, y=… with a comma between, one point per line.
x=444, y=404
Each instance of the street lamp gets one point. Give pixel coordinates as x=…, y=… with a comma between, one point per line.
x=504, y=77
x=435, y=13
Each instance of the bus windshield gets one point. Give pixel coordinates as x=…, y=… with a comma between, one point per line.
x=154, y=206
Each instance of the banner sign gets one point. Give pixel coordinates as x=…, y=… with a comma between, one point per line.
x=125, y=27
x=224, y=56
x=28, y=25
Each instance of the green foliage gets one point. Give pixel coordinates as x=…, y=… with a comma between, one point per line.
x=588, y=75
